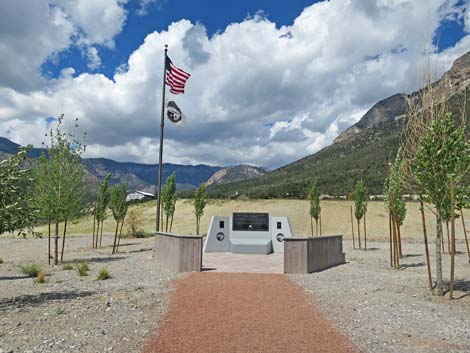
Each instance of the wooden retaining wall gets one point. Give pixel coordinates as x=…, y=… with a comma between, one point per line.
x=179, y=253
x=313, y=254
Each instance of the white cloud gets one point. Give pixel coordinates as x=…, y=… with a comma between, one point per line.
x=258, y=93
x=94, y=60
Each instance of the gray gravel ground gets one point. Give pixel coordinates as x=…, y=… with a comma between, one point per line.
x=69, y=313
x=386, y=310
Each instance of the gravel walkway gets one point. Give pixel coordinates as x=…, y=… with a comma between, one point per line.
x=220, y=312
x=69, y=313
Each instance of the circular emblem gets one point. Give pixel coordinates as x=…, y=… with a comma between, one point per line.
x=220, y=236
x=280, y=237
x=250, y=227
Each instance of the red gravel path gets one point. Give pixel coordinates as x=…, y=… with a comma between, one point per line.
x=237, y=313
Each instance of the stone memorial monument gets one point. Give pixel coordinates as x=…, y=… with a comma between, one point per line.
x=247, y=233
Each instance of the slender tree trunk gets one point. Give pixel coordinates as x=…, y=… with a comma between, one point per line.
x=365, y=233
x=352, y=228
x=439, y=283
x=49, y=238
x=101, y=234
x=320, y=224
x=171, y=223
x=56, y=241
x=94, y=227
x=63, y=242
x=316, y=227
x=311, y=224
x=395, y=241
x=428, y=263
x=97, y=233
x=197, y=225
x=448, y=237
x=119, y=237
x=359, y=232
x=465, y=233
x=115, y=236
x=452, y=237
x=400, y=253
x=166, y=223
x=390, y=238
x=443, y=248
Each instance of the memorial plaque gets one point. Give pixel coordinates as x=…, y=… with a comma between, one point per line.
x=251, y=222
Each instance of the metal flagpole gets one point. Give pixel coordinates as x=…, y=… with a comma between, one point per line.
x=162, y=124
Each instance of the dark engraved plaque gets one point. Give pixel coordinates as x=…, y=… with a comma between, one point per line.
x=251, y=222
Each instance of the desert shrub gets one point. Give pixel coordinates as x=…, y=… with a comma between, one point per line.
x=67, y=267
x=1, y=260
x=82, y=268
x=133, y=222
x=41, y=278
x=143, y=234
x=103, y=274
x=31, y=270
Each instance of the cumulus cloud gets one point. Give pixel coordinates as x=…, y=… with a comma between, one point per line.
x=94, y=60
x=259, y=93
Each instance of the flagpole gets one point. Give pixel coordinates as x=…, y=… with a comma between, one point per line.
x=162, y=125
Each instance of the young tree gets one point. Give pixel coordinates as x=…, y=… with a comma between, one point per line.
x=17, y=211
x=118, y=205
x=360, y=206
x=315, y=209
x=200, y=200
x=395, y=186
x=169, y=200
x=100, y=208
x=133, y=222
x=60, y=180
x=443, y=153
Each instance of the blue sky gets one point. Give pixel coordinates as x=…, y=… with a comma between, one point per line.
x=256, y=95
x=215, y=15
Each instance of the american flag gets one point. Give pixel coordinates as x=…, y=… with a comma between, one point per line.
x=175, y=77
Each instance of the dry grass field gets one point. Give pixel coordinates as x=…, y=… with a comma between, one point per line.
x=336, y=218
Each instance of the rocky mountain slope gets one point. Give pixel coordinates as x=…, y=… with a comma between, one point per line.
x=360, y=152
x=235, y=173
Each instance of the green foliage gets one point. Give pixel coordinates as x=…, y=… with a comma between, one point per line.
x=314, y=199
x=17, y=211
x=103, y=198
x=82, y=268
x=31, y=270
x=41, y=278
x=200, y=201
x=169, y=198
x=143, y=234
x=443, y=152
x=117, y=201
x=361, y=199
x=60, y=187
x=67, y=267
x=103, y=274
x=394, y=187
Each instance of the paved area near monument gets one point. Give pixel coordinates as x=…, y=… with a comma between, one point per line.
x=229, y=312
x=244, y=263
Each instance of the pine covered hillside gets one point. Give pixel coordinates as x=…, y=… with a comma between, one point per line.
x=360, y=152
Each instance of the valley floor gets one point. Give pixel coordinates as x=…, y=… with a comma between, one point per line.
x=378, y=308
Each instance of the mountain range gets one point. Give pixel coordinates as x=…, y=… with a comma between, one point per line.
x=143, y=177
x=362, y=151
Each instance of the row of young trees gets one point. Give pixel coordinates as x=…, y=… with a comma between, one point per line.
x=360, y=197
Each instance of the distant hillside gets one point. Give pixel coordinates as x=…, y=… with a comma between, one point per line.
x=361, y=151
x=137, y=176
x=235, y=173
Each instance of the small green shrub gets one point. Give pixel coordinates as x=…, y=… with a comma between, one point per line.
x=31, y=270
x=82, y=268
x=142, y=234
x=41, y=278
x=103, y=274
x=67, y=267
